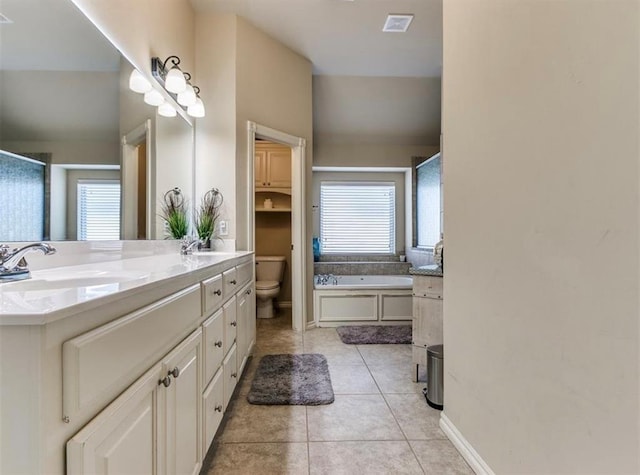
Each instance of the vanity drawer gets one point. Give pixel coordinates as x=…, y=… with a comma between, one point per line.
x=213, y=405
x=99, y=364
x=427, y=286
x=229, y=282
x=213, y=341
x=245, y=273
x=212, y=294
x=230, y=324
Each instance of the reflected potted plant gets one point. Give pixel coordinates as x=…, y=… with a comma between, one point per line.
x=174, y=213
x=207, y=216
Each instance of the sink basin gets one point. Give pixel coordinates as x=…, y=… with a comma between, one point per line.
x=48, y=280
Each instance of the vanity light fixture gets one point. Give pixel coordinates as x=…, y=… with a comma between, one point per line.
x=177, y=83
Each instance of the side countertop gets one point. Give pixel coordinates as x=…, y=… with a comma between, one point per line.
x=427, y=270
x=60, y=292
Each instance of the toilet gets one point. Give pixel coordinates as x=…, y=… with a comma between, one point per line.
x=269, y=274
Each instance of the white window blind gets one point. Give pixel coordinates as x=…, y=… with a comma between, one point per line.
x=357, y=218
x=98, y=210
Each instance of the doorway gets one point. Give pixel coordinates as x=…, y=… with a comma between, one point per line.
x=297, y=214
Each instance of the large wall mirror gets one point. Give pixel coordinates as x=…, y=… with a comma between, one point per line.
x=85, y=157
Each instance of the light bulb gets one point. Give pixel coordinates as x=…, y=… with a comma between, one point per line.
x=153, y=98
x=175, y=81
x=166, y=110
x=187, y=97
x=138, y=83
x=197, y=109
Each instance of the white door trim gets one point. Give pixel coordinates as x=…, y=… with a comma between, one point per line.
x=128, y=185
x=298, y=214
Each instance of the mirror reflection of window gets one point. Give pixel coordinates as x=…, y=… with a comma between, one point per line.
x=22, y=181
x=428, y=202
x=98, y=210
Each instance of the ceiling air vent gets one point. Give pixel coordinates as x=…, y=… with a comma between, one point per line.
x=4, y=19
x=397, y=23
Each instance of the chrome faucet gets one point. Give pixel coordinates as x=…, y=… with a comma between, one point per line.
x=188, y=244
x=13, y=265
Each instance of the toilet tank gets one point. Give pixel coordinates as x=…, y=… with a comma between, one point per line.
x=270, y=267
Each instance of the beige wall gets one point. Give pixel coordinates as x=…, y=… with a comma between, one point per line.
x=73, y=152
x=328, y=153
x=540, y=122
x=273, y=238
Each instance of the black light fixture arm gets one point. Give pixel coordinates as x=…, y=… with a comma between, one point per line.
x=175, y=61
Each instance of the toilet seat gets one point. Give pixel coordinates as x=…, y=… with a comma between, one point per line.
x=267, y=284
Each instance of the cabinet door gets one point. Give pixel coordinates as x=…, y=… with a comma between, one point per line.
x=213, y=406
x=121, y=439
x=230, y=372
x=427, y=321
x=246, y=325
x=181, y=408
x=260, y=175
x=279, y=168
x=230, y=324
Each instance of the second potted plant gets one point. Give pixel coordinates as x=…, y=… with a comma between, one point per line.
x=207, y=216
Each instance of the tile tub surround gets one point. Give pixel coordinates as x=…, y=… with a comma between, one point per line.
x=361, y=265
x=431, y=269
x=380, y=422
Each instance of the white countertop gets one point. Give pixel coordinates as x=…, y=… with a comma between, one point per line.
x=56, y=293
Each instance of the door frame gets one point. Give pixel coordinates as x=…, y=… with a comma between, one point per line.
x=129, y=174
x=298, y=211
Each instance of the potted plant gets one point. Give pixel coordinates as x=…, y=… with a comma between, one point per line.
x=207, y=216
x=174, y=214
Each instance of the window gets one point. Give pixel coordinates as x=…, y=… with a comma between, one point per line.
x=428, y=202
x=357, y=218
x=98, y=210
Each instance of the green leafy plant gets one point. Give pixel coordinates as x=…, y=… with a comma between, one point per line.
x=174, y=213
x=208, y=214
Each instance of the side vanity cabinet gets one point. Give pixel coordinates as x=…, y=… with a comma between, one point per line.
x=427, y=318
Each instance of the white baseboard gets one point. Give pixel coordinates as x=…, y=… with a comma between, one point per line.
x=311, y=325
x=283, y=304
x=464, y=447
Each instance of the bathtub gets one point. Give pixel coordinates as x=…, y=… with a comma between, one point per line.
x=364, y=299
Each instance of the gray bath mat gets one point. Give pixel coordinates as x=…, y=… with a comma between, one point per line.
x=292, y=379
x=375, y=334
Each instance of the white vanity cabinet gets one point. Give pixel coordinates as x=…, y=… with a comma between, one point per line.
x=135, y=382
x=153, y=427
x=427, y=318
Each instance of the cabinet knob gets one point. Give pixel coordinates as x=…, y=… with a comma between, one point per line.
x=218, y=408
x=234, y=323
x=175, y=372
x=268, y=184
x=234, y=375
x=248, y=291
x=217, y=292
x=166, y=381
x=264, y=183
x=218, y=344
x=232, y=282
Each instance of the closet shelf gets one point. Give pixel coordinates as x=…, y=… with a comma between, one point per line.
x=273, y=210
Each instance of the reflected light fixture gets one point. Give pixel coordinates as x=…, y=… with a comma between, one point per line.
x=153, y=98
x=188, y=96
x=138, y=83
x=167, y=110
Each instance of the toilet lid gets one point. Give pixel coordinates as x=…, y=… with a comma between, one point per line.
x=267, y=284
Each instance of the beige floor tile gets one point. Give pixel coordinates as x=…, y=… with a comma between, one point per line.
x=256, y=423
x=378, y=457
x=353, y=417
x=417, y=420
x=276, y=348
x=317, y=335
x=395, y=378
x=265, y=458
x=386, y=354
x=244, y=385
x=439, y=457
x=336, y=354
x=352, y=380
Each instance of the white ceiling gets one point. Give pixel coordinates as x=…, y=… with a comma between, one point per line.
x=345, y=38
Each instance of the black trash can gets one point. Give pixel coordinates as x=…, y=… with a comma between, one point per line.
x=435, y=376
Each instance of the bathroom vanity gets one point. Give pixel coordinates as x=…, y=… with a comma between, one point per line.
x=124, y=366
x=427, y=313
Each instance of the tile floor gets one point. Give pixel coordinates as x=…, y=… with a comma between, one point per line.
x=379, y=423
